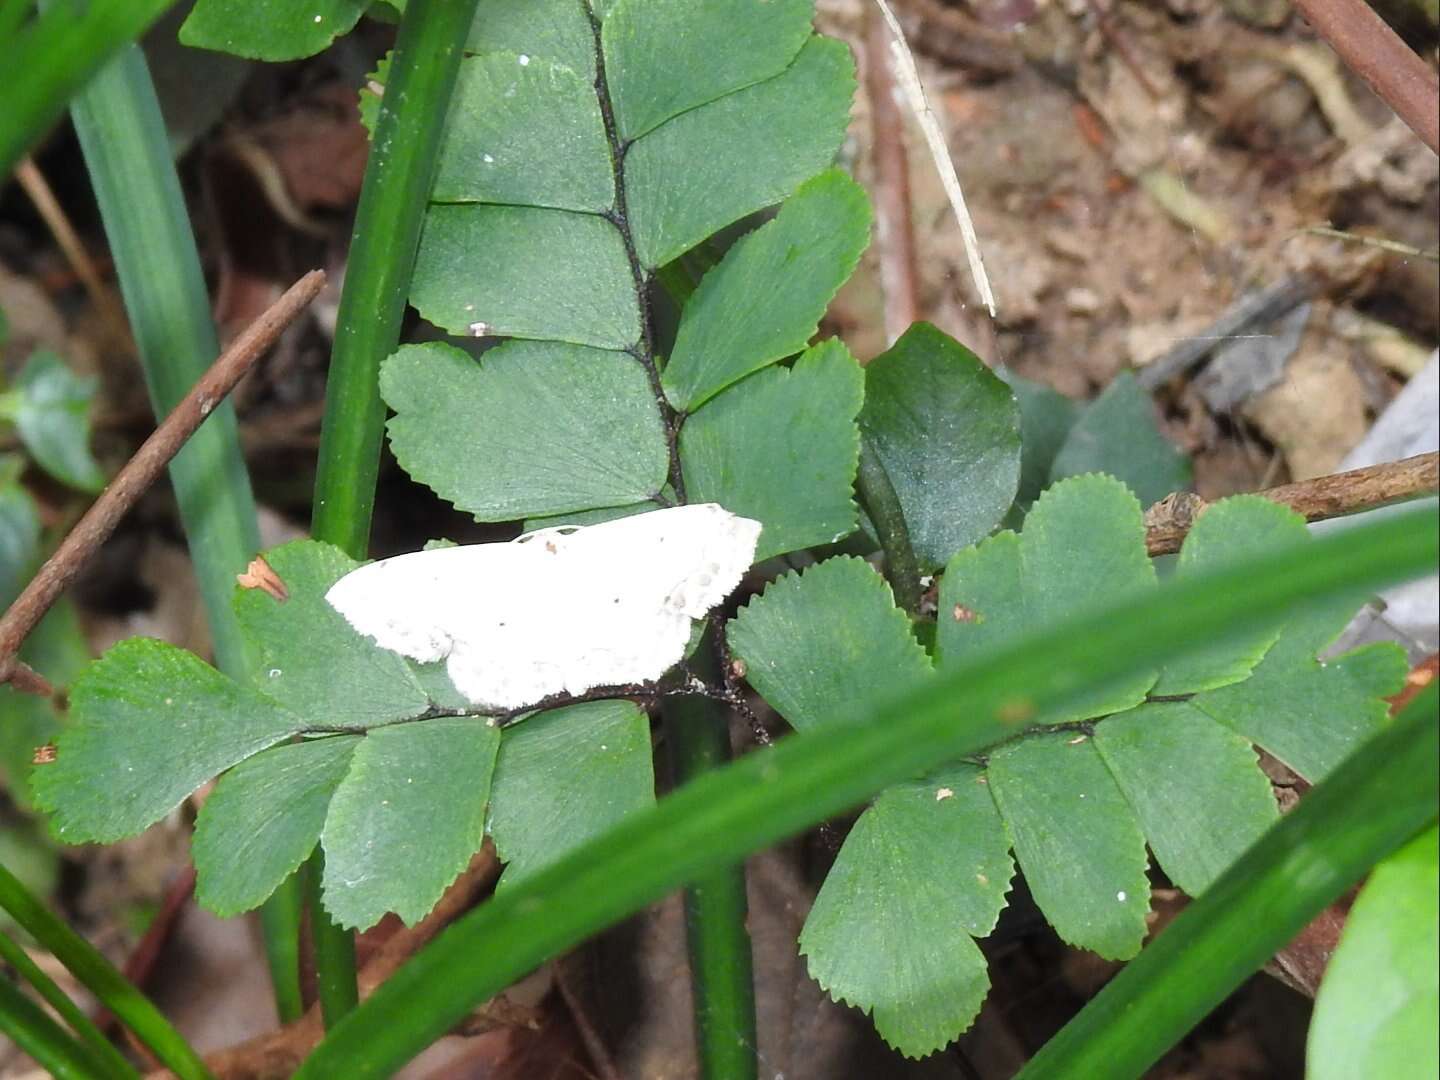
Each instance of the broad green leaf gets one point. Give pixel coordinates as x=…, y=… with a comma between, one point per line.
x=563, y=777
x=52, y=415
x=525, y=131
x=1376, y=1011
x=590, y=434
x=1311, y=715
x=764, y=300
x=922, y=873
x=149, y=723
x=270, y=29
x=1076, y=841
x=1224, y=534
x=407, y=818
x=795, y=477
x=526, y=272
x=719, y=46
x=591, y=517
x=310, y=659
x=58, y=650
x=1083, y=545
x=947, y=431
x=1116, y=434
x=555, y=30
x=775, y=135
x=19, y=540
x=263, y=819
x=1046, y=417
x=820, y=644
x=1196, y=787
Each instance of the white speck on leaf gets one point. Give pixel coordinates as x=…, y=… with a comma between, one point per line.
x=479, y=328
x=944, y=793
x=319, y=19
x=1120, y=896
x=524, y=60
x=275, y=673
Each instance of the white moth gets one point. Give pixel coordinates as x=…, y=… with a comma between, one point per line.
x=557, y=610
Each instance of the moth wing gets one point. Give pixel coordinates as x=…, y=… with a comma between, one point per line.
x=420, y=603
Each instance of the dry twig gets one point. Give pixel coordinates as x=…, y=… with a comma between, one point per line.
x=1168, y=521
x=142, y=470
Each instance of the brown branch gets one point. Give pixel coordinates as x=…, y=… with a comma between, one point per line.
x=1169, y=520
x=1375, y=52
x=138, y=474
x=894, y=225
x=278, y=1053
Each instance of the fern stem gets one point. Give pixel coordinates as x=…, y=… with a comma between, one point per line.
x=393, y=197
x=888, y=517
x=722, y=981
x=58, y=1052
x=100, y=1050
x=392, y=205
x=1376, y=800
x=101, y=978
x=127, y=154
x=54, y=57
x=765, y=796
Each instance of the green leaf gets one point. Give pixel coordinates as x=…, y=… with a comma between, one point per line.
x=310, y=659
x=19, y=540
x=797, y=477
x=1117, y=434
x=58, y=650
x=525, y=131
x=270, y=29
x=947, y=431
x=1308, y=714
x=720, y=46
x=53, y=419
x=555, y=30
x=1376, y=1011
x=263, y=819
x=526, y=272
x=1224, y=534
x=407, y=818
x=149, y=723
x=776, y=135
x=1196, y=787
x=818, y=644
x=765, y=298
x=1076, y=840
x=1083, y=544
x=590, y=435
x=563, y=777
x=922, y=873
x=1046, y=417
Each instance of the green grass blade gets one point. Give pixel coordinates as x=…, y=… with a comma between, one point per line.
x=1380, y=797
x=42, y=1038
x=100, y=1050
x=127, y=154
x=55, y=56
x=101, y=978
x=764, y=797
x=392, y=206
x=697, y=734
x=393, y=198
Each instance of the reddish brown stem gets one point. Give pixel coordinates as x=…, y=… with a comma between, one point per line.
x=138, y=474
x=895, y=231
x=1375, y=52
x=1168, y=521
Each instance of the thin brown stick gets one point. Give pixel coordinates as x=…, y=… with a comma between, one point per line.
x=37, y=188
x=142, y=470
x=1168, y=521
x=894, y=225
x=1375, y=52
